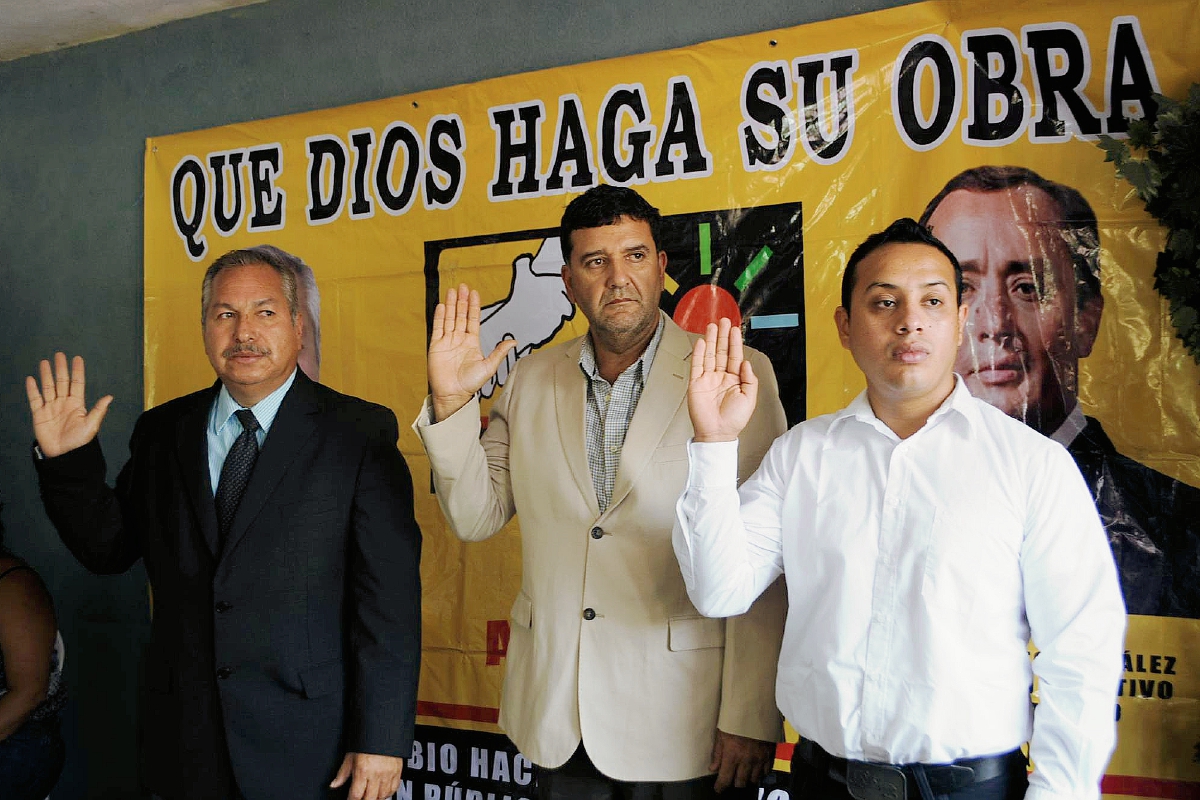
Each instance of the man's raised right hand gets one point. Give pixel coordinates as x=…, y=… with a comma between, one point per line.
x=457, y=366
x=61, y=421
x=722, y=388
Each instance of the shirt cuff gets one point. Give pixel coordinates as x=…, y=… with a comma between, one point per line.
x=425, y=416
x=712, y=464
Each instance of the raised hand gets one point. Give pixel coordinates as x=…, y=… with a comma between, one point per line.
x=457, y=366
x=722, y=389
x=61, y=420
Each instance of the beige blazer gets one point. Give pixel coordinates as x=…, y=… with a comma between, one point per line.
x=605, y=645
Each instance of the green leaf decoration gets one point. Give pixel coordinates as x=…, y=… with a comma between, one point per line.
x=1160, y=158
x=1115, y=149
x=1141, y=134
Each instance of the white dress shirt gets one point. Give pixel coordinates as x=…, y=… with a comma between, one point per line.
x=917, y=572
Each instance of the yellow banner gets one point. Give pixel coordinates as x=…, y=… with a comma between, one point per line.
x=772, y=156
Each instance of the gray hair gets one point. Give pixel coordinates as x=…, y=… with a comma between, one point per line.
x=307, y=280
x=265, y=255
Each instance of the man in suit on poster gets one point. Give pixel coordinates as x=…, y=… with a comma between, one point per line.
x=275, y=520
x=615, y=685
x=1030, y=253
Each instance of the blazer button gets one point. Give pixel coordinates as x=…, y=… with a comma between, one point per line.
x=222, y=607
x=597, y=533
x=224, y=672
x=589, y=614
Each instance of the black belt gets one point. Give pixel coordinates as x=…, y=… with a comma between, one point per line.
x=868, y=780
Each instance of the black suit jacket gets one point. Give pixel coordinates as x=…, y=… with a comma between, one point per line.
x=300, y=640
x=1153, y=525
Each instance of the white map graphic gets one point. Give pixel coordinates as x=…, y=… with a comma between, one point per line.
x=534, y=311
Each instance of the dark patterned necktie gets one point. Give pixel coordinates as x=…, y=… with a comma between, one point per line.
x=235, y=472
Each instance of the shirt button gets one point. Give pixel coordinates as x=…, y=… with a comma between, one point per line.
x=222, y=607
x=224, y=672
x=597, y=533
x=589, y=614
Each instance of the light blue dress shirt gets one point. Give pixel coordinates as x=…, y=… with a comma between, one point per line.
x=224, y=428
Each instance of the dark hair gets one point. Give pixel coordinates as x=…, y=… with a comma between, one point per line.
x=272, y=257
x=604, y=205
x=1076, y=221
x=902, y=231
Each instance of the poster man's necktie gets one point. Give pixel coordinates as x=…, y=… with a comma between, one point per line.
x=235, y=472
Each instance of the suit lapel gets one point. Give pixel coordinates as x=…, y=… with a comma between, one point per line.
x=294, y=425
x=665, y=391
x=570, y=389
x=191, y=450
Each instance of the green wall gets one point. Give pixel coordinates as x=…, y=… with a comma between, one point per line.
x=72, y=129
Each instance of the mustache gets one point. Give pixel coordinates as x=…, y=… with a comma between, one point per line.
x=245, y=348
x=616, y=294
x=1011, y=353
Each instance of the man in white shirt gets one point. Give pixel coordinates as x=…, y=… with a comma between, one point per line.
x=929, y=538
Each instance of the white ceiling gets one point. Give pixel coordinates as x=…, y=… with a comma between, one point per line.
x=38, y=26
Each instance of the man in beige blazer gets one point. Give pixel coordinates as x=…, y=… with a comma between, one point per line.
x=615, y=685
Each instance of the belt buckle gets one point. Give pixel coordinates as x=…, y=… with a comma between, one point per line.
x=866, y=781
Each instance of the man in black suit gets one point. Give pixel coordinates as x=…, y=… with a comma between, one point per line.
x=1030, y=253
x=285, y=643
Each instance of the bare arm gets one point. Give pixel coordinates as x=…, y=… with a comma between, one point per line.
x=27, y=630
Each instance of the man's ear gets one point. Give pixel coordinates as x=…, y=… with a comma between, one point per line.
x=841, y=318
x=1087, y=325
x=566, y=276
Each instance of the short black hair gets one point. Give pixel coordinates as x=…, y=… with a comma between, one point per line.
x=903, y=231
x=604, y=205
x=1076, y=221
